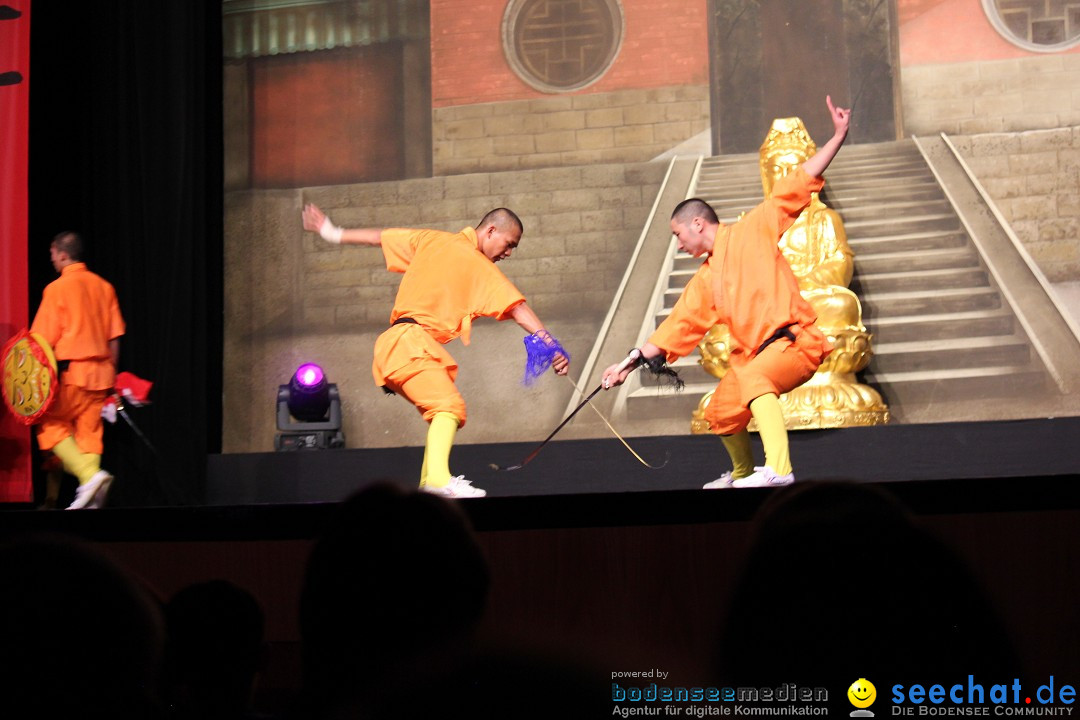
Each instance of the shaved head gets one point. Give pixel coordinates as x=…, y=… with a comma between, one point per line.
x=70, y=243
x=503, y=219
x=689, y=209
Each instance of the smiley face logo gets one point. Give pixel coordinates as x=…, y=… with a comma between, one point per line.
x=862, y=693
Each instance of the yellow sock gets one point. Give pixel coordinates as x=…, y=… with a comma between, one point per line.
x=440, y=439
x=76, y=462
x=770, y=422
x=742, y=457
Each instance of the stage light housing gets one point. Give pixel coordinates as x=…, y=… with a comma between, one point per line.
x=309, y=394
x=308, y=412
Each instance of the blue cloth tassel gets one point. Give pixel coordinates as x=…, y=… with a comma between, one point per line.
x=541, y=348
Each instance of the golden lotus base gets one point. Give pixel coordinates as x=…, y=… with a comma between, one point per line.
x=820, y=403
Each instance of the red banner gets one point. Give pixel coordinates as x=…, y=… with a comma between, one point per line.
x=15, y=476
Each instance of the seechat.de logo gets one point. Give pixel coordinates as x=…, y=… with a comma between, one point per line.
x=977, y=698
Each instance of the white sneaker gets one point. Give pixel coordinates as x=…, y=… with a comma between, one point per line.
x=85, y=493
x=763, y=477
x=99, y=497
x=458, y=487
x=724, y=481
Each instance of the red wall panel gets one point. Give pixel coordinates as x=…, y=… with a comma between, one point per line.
x=343, y=107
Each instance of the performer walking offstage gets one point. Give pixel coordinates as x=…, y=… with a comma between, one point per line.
x=746, y=283
x=79, y=317
x=449, y=279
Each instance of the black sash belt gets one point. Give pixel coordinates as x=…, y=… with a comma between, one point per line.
x=784, y=332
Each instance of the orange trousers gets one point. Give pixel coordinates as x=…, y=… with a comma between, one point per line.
x=780, y=367
x=416, y=366
x=75, y=413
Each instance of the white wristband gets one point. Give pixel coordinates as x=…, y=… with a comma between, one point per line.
x=330, y=232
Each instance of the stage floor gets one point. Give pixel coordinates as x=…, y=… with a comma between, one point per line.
x=950, y=455
x=949, y=468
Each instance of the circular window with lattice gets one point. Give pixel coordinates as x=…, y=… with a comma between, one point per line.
x=1036, y=25
x=562, y=45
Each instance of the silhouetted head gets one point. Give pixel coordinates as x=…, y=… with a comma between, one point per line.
x=397, y=576
x=80, y=637
x=214, y=648
x=841, y=583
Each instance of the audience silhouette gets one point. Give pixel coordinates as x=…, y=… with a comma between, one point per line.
x=394, y=589
x=80, y=638
x=213, y=652
x=841, y=583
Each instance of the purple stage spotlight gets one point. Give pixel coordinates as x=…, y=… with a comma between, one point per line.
x=308, y=412
x=309, y=394
x=309, y=375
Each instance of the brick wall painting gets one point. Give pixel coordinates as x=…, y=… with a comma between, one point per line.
x=578, y=166
x=928, y=34
x=977, y=81
x=665, y=44
x=1015, y=115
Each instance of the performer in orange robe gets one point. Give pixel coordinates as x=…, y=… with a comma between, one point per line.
x=746, y=283
x=449, y=279
x=80, y=318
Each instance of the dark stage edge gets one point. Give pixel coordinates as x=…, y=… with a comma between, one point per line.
x=1015, y=466
x=880, y=454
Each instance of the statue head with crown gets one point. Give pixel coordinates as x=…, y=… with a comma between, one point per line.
x=787, y=146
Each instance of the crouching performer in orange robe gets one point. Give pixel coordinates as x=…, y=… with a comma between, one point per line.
x=746, y=283
x=449, y=279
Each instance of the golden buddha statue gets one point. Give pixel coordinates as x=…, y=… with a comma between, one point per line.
x=816, y=247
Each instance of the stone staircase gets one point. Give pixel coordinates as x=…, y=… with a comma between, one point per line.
x=941, y=326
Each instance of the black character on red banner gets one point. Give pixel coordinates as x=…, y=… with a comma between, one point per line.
x=10, y=78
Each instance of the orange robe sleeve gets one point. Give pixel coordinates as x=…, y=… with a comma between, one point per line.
x=399, y=247
x=776, y=214
x=49, y=320
x=692, y=316
x=117, y=327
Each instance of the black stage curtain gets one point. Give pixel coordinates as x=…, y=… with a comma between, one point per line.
x=125, y=146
